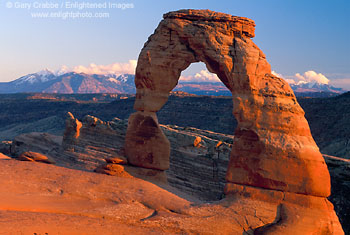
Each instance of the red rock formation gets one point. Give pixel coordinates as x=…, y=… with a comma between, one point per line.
x=35, y=157
x=72, y=132
x=273, y=147
x=93, y=140
x=146, y=145
x=4, y=157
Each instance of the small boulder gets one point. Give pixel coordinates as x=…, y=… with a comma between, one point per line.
x=117, y=160
x=35, y=157
x=218, y=144
x=113, y=169
x=197, y=141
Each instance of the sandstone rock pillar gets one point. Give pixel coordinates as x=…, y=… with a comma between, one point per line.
x=145, y=143
x=71, y=133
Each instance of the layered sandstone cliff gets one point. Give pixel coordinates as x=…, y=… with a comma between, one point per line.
x=198, y=158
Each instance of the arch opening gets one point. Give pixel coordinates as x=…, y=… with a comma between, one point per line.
x=200, y=151
x=202, y=112
x=197, y=80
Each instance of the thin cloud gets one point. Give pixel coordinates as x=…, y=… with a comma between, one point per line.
x=202, y=76
x=116, y=68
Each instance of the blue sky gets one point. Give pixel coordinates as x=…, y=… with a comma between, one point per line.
x=296, y=36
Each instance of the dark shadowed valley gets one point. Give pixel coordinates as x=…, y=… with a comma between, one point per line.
x=329, y=118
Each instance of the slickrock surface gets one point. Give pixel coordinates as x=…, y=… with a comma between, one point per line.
x=41, y=198
x=36, y=142
x=4, y=157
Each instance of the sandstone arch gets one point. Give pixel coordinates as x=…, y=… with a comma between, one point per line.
x=273, y=147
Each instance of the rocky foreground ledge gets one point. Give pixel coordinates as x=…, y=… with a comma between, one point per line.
x=40, y=198
x=69, y=197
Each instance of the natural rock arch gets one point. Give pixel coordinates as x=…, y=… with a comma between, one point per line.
x=273, y=147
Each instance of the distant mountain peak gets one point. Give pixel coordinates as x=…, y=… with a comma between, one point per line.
x=302, y=87
x=46, y=81
x=39, y=77
x=45, y=72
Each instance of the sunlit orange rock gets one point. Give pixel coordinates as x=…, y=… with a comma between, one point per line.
x=4, y=157
x=71, y=133
x=273, y=152
x=35, y=157
x=117, y=160
x=295, y=214
x=273, y=147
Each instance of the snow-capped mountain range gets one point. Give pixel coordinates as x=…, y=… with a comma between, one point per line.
x=41, y=76
x=315, y=87
x=46, y=81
